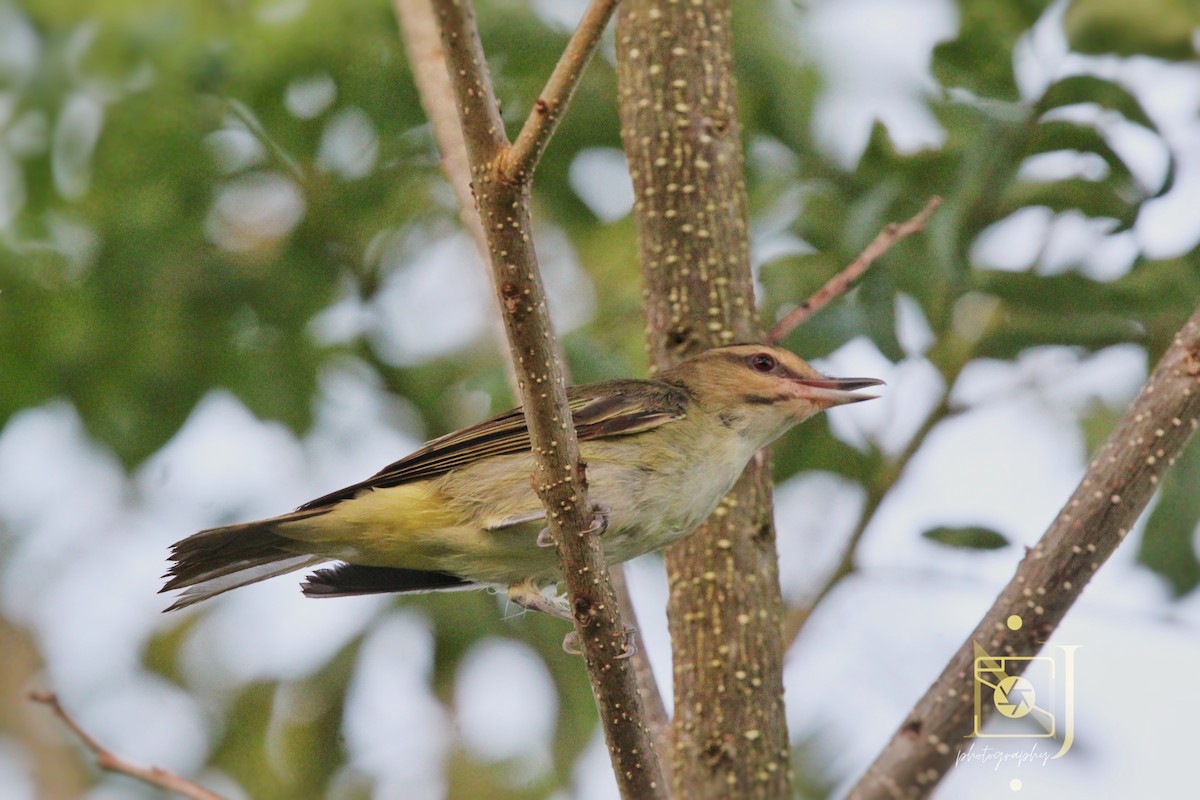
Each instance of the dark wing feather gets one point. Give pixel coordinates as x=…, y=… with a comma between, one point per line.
x=612, y=408
x=346, y=580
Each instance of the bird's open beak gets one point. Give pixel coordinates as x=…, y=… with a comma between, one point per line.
x=829, y=392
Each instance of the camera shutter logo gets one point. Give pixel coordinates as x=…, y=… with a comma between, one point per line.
x=1024, y=691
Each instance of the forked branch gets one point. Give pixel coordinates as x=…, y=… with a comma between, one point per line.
x=548, y=109
x=424, y=47
x=559, y=478
x=111, y=762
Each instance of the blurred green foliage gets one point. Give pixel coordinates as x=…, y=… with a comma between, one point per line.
x=972, y=538
x=133, y=279
x=1162, y=28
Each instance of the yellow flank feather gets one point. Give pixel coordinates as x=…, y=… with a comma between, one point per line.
x=381, y=522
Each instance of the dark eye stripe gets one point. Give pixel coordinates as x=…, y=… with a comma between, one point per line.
x=763, y=399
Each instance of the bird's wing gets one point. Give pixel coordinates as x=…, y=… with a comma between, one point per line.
x=613, y=408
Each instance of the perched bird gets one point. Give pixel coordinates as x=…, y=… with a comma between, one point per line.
x=461, y=511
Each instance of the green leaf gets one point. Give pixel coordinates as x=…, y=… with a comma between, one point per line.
x=1168, y=546
x=1150, y=286
x=1090, y=89
x=262, y=727
x=980, y=59
x=1058, y=135
x=969, y=538
x=1146, y=306
x=1161, y=28
x=1107, y=199
x=1024, y=328
x=776, y=90
x=812, y=446
x=878, y=297
x=1098, y=423
x=825, y=209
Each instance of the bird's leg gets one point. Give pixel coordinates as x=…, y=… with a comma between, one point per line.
x=515, y=521
x=528, y=596
x=598, y=526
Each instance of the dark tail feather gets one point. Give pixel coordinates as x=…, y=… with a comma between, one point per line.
x=219, y=559
x=345, y=580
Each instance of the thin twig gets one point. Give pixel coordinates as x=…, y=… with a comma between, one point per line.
x=109, y=761
x=520, y=160
x=256, y=129
x=559, y=476
x=840, y=283
x=424, y=47
x=1104, y=507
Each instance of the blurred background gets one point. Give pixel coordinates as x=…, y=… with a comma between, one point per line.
x=232, y=279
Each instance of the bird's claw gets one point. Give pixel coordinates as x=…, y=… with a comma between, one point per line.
x=631, y=647
x=573, y=646
x=599, y=525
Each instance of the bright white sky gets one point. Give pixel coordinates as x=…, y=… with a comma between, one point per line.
x=872, y=649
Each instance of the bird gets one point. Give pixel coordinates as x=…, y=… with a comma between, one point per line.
x=461, y=511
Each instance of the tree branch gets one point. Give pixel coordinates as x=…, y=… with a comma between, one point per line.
x=838, y=285
x=681, y=136
x=653, y=708
x=478, y=111
x=109, y=761
x=1116, y=487
x=548, y=109
x=424, y=47
x=559, y=477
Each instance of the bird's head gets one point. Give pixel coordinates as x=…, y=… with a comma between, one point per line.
x=761, y=390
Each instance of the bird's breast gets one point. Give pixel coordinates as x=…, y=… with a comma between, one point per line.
x=659, y=497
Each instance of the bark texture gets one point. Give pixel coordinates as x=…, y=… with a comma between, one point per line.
x=681, y=136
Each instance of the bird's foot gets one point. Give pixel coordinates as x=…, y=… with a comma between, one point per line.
x=631, y=643
x=573, y=646
x=529, y=597
x=600, y=514
x=598, y=525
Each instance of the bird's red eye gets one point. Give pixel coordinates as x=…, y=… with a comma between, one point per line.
x=762, y=362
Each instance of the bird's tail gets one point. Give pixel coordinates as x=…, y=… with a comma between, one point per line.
x=210, y=562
